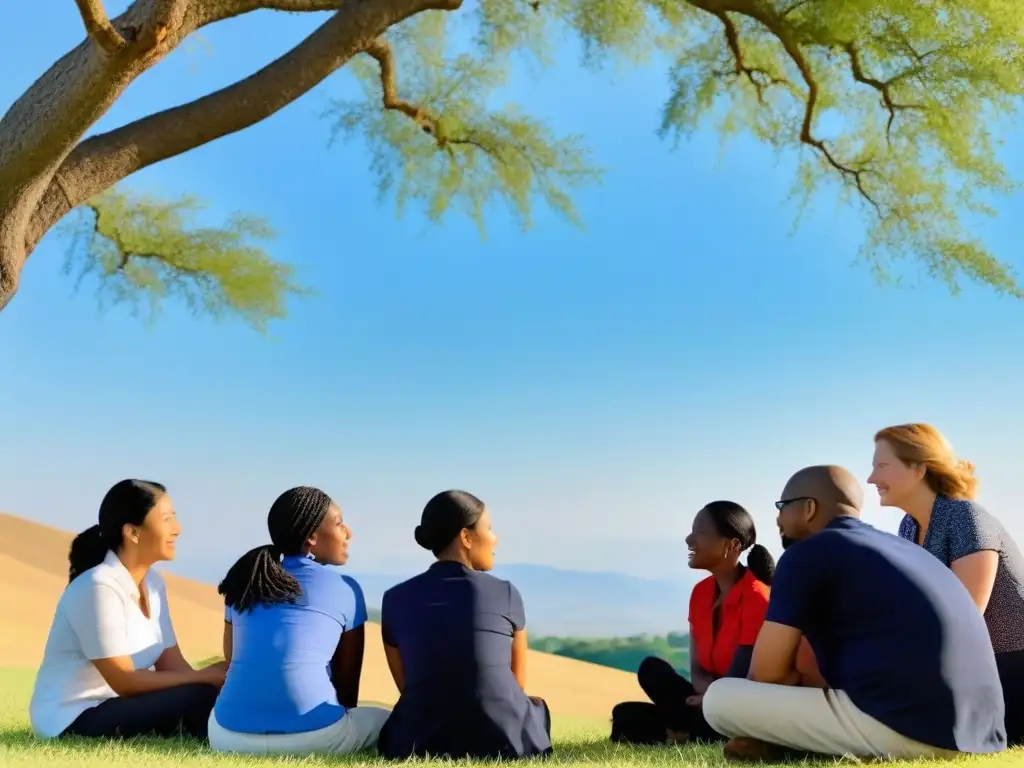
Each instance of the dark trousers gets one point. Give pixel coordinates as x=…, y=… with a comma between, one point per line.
x=648, y=723
x=1011, y=675
x=180, y=711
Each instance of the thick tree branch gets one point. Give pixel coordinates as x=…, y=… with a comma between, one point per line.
x=103, y=160
x=98, y=26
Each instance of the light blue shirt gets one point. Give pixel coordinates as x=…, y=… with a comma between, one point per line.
x=279, y=679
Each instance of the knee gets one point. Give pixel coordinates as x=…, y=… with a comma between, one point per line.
x=650, y=667
x=719, y=700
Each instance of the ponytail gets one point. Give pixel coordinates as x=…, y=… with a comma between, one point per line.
x=87, y=551
x=258, y=577
x=761, y=564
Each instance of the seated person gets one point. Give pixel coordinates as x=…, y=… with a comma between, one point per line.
x=293, y=639
x=112, y=666
x=914, y=469
x=455, y=640
x=906, y=653
x=726, y=612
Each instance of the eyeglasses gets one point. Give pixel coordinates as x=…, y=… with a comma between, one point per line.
x=780, y=505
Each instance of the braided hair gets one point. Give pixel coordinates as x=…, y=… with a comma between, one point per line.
x=258, y=577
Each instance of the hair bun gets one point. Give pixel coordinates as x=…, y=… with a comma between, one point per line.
x=420, y=534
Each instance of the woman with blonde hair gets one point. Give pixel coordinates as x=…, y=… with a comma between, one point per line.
x=915, y=469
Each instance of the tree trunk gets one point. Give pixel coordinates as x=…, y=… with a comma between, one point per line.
x=45, y=168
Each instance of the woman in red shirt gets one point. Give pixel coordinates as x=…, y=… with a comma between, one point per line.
x=727, y=610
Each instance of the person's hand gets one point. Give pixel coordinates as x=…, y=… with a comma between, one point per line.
x=695, y=701
x=213, y=674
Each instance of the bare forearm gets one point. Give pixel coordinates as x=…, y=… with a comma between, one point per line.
x=146, y=681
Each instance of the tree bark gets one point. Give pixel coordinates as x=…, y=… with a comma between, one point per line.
x=45, y=168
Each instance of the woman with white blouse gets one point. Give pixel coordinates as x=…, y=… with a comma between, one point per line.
x=112, y=666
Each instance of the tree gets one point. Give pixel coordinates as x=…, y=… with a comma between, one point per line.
x=916, y=89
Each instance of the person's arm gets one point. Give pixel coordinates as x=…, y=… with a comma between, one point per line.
x=752, y=612
x=519, y=652
x=774, y=657
x=347, y=663
x=700, y=678
x=807, y=666
x=977, y=572
x=347, y=666
x=794, y=591
x=391, y=654
x=974, y=551
x=229, y=641
x=172, y=660
x=517, y=615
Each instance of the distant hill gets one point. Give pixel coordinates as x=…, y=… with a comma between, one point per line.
x=580, y=603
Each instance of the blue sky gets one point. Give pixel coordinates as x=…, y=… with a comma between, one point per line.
x=595, y=387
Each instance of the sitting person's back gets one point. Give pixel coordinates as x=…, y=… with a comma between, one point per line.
x=905, y=654
x=455, y=641
x=294, y=640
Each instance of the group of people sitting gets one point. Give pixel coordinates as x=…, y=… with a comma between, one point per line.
x=859, y=642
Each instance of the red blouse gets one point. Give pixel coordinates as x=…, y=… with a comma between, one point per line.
x=740, y=618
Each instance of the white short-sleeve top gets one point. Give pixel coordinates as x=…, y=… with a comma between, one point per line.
x=97, y=617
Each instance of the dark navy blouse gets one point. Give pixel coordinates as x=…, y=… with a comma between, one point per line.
x=453, y=629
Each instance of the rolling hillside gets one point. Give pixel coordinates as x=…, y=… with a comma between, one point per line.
x=33, y=572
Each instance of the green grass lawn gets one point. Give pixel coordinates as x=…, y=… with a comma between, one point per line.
x=577, y=743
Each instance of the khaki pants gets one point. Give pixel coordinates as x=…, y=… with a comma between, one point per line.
x=356, y=731
x=805, y=719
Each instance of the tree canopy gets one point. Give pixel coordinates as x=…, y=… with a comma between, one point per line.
x=895, y=105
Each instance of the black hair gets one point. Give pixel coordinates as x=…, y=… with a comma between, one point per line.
x=258, y=577
x=444, y=517
x=126, y=503
x=734, y=522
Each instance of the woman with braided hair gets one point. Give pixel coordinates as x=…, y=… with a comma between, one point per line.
x=293, y=639
x=455, y=641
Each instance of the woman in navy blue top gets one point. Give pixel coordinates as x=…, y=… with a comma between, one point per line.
x=294, y=640
x=455, y=640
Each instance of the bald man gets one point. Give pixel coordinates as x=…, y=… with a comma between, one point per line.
x=906, y=654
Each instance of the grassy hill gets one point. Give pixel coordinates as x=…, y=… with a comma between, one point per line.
x=33, y=572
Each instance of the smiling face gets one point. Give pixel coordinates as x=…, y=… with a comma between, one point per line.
x=154, y=540
x=708, y=548
x=895, y=481
x=329, y=543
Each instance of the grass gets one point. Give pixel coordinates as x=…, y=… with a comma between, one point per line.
x=577, y=743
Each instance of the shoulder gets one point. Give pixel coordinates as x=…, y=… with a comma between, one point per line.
x=955, y=511
x=703, y=589
x=102, y=578
x=331, y=583
x=493, y=584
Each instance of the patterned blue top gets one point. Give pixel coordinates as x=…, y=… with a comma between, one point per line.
x=959, y=528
